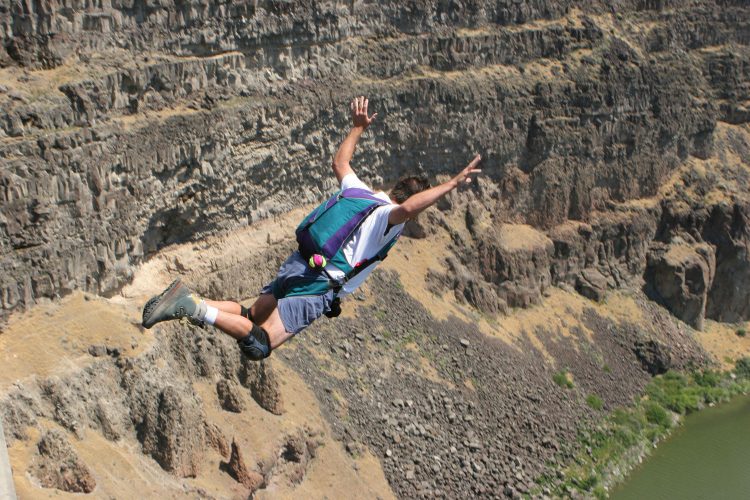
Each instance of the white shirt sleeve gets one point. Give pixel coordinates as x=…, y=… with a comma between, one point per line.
x=371, y=236
x=375, y=228
x=352, y=181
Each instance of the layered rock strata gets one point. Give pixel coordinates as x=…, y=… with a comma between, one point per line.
x=153, y=124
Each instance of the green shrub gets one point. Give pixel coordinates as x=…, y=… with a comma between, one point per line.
x=628, y=419
x=607, y=369
x=561, y=379
x=741, y=332
x=657, y=415
x=742, y=368
x=672, y=391
x=588, y=483
x=708, y=378
x=594, y=402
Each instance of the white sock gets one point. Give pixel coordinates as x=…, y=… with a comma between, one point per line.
x=211, y=313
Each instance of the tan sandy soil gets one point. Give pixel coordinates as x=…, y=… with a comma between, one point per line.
x=55, y=337
x=722, y=341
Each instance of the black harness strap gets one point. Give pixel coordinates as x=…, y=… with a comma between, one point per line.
x=337, y=285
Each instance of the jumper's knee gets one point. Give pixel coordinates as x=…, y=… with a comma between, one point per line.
x=244, y=311
x=256, y=345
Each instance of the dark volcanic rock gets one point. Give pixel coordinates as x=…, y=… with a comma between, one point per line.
x=679, y=277
x=517, y=260
x=588, y=110
x=592, y=284
x=655, y=356
x=726, y=228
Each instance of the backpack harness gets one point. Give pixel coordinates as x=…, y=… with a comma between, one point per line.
x=325, y=232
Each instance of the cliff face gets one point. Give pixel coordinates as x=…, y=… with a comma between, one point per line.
x=616, y=150
x=125, y=126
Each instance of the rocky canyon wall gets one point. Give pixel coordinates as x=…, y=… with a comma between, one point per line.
x=128, y=125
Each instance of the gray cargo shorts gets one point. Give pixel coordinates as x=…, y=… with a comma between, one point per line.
x=298, y=311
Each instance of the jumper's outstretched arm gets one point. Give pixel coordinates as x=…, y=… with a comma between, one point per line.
x=360, y=122
x=418, y=202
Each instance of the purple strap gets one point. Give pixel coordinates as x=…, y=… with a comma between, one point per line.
x=361, y=193
x=346, y=193
x=337, y=240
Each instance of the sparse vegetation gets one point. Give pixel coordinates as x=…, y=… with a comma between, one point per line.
x=562, y=379
x=741, y=332
x=594, y=402
x=742, y=368
x=607, y=445
x=407, y=338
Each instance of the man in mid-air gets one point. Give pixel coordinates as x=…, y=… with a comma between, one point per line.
x=341, y=242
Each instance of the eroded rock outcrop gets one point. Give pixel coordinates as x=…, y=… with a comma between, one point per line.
x=264, y=387
x=217, y=440
x=516, y=258
x=679, y=276
x=57, y=465
x=295, y=455
x=609, y=252
x=236, y=467
x=170, y=435
x=230, y=395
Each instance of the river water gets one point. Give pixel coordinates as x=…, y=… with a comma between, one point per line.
x=708, y=457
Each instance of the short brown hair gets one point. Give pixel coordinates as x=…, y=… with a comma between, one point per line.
x=407, y=186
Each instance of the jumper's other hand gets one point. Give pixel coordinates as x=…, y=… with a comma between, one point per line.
x=359, y=112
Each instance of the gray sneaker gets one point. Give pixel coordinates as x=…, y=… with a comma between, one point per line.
x=176, y=302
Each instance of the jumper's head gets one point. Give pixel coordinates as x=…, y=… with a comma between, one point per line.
x=407, y=186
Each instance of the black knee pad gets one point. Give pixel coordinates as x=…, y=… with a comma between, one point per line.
x=244, y=311
x=256, y=345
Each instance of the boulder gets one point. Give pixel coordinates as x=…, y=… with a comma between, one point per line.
x=655, y=356
x=591, y=284
x=679, y=276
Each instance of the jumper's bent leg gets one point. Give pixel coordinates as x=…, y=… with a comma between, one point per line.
x=233, y=324
x=225, y=305
x=259, y=311
x=239, y=327
x=262, y=308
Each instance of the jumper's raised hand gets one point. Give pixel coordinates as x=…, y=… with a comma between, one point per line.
x=359, y=113
x=471, y=168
